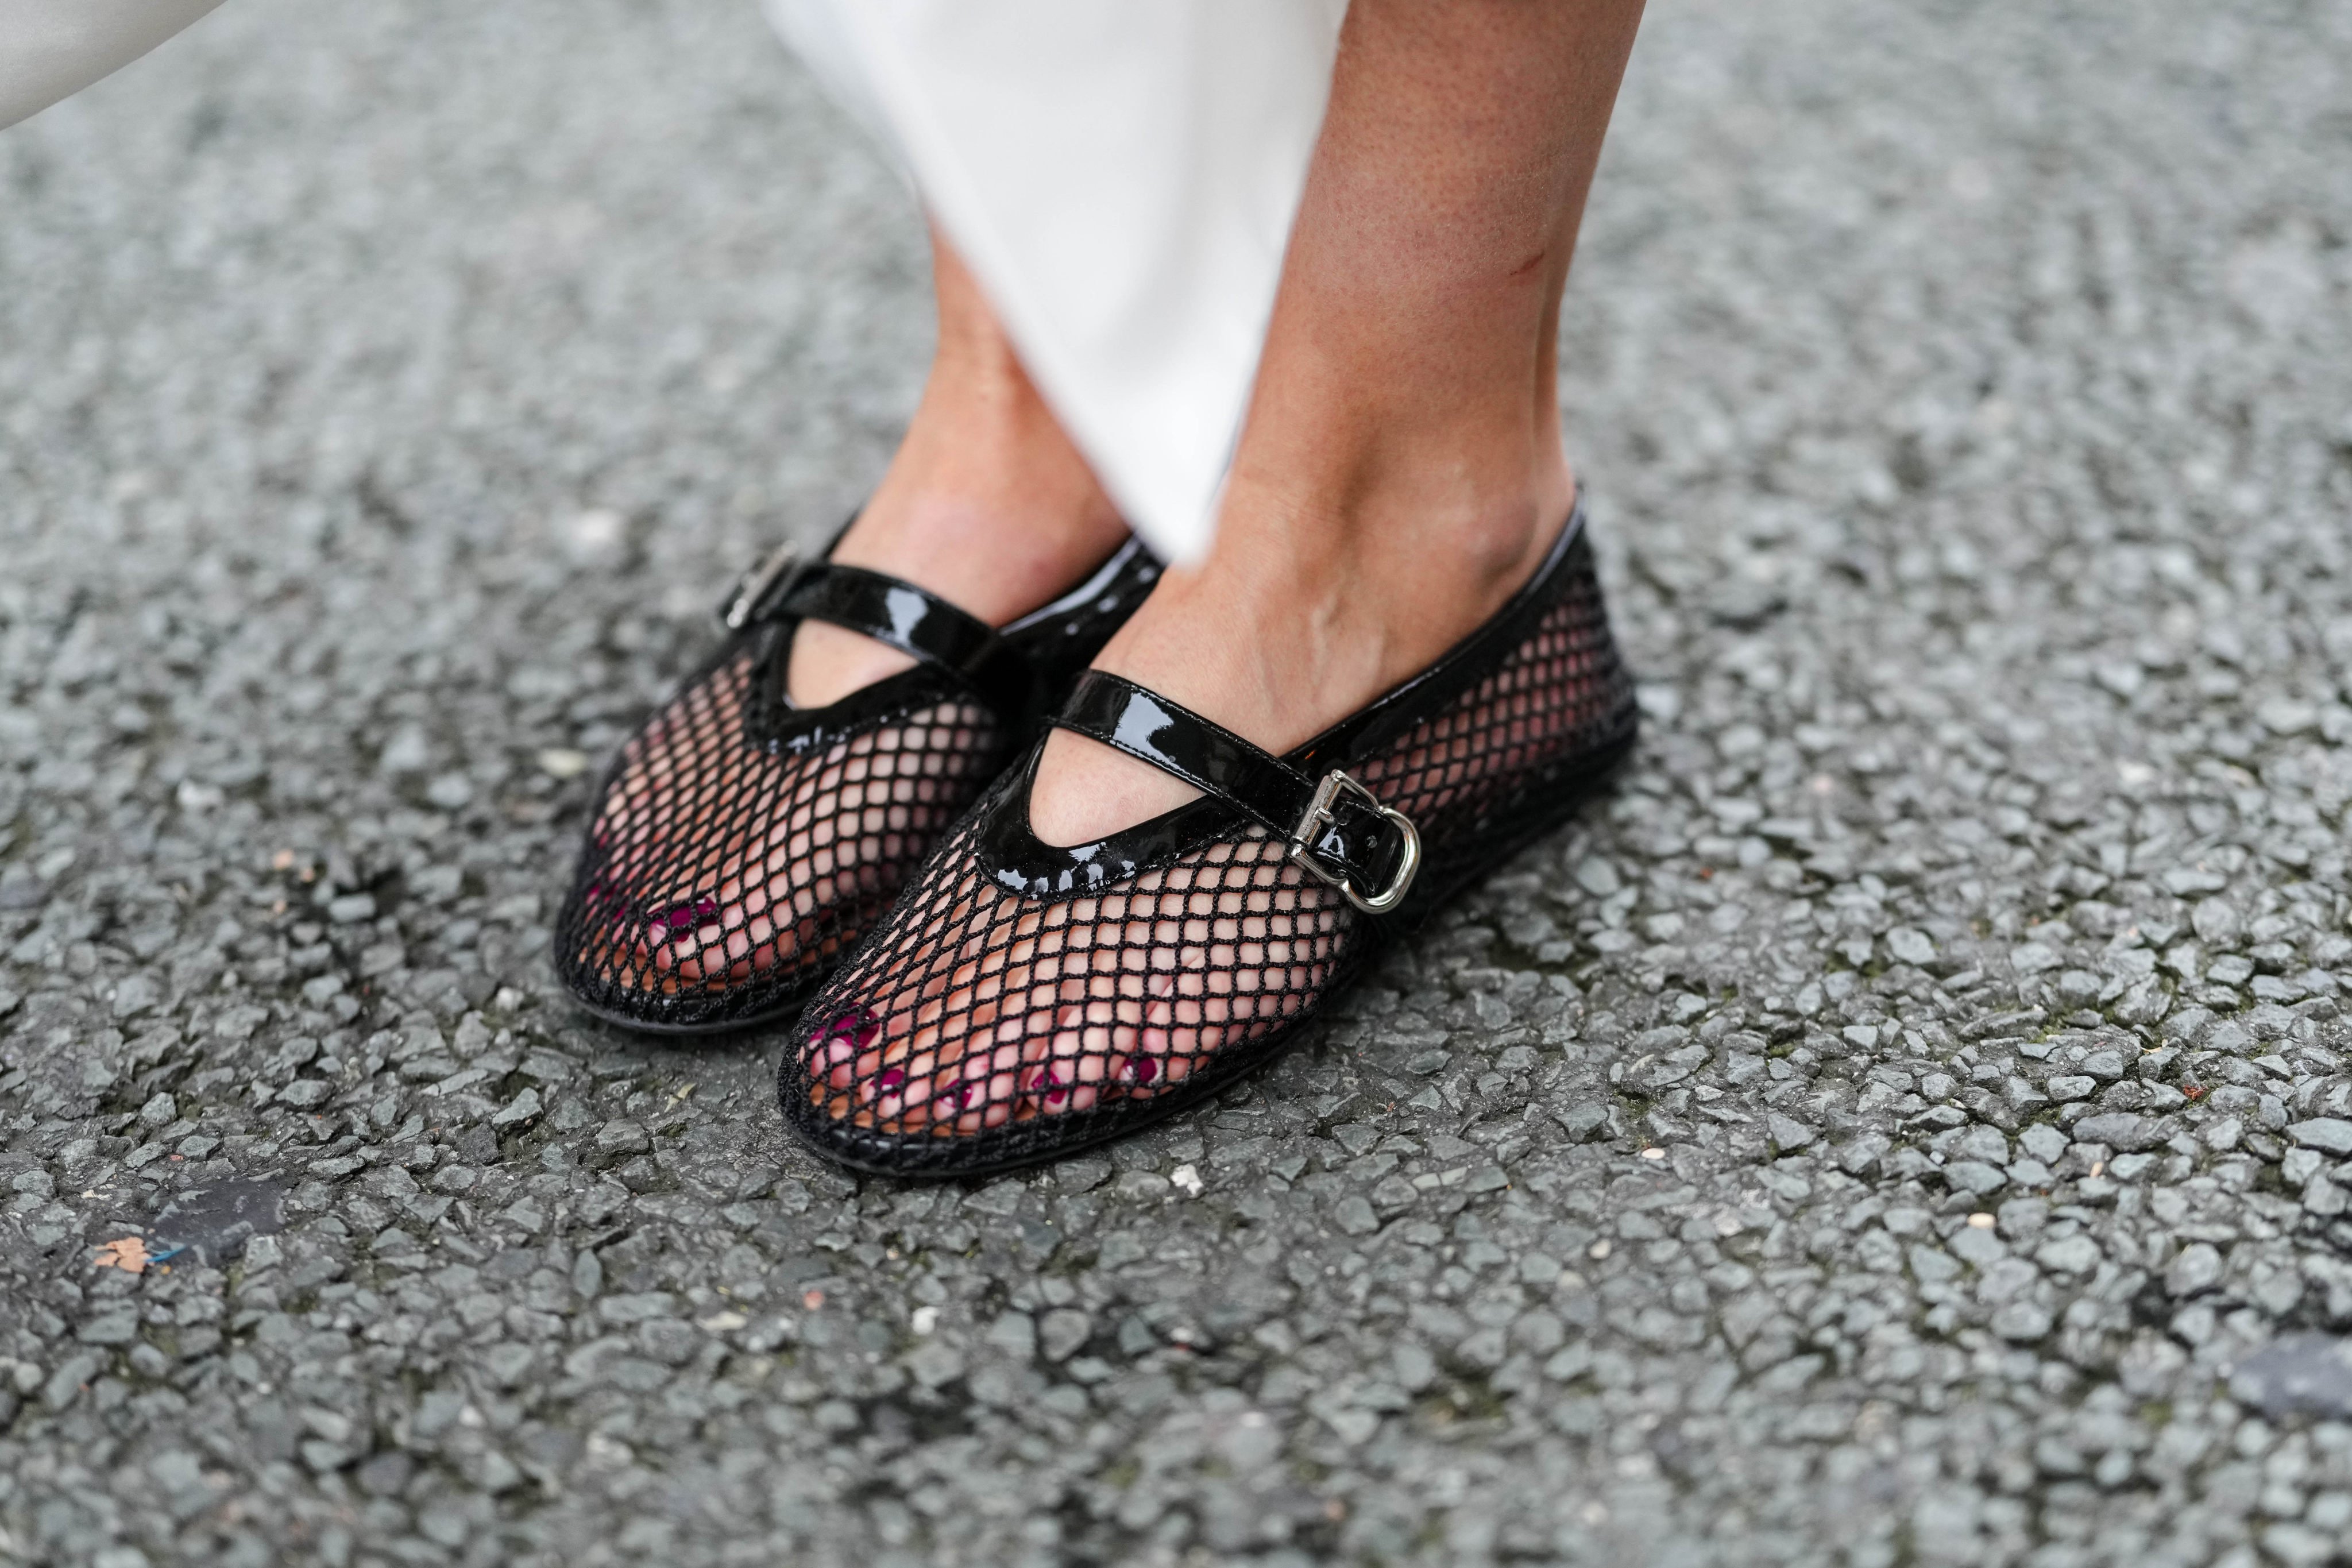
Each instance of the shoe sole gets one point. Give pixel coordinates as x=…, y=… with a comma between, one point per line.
x=767, y=1017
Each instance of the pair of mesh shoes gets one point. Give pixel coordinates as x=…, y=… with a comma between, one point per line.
x=970, y=998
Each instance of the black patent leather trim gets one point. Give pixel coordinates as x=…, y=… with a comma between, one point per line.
x=1351, y=840
x=1010, y=671
x=1175, y=740
x=917, y=623
x=1059, y=639
x=773, y=723
x=1014, y=858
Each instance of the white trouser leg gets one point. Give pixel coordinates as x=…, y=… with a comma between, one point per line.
x=51, y=49
x=1121, y=177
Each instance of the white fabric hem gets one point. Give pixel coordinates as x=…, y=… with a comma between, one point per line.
x=51, y=49
x=1122, y=180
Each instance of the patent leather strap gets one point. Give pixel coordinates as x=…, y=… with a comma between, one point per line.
x=917, y=623
x=1336, y=828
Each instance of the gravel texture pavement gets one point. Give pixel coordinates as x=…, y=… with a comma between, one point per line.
x=1907, y=1122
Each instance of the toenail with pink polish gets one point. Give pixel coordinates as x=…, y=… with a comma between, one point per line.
x=857, y=1027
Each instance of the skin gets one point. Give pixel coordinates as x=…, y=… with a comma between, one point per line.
x=986, y=503
x=1400, y=473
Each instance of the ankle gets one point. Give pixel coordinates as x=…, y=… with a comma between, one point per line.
x=986, y=504
x=986, y=501
x=1400, y=544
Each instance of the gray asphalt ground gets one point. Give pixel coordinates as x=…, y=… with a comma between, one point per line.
x=1904, y=1124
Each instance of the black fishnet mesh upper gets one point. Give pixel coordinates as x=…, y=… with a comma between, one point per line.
x=981, y=1027
x=723, y=874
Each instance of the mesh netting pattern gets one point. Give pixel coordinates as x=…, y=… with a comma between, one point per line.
x=723, y=874
x=983, y=1027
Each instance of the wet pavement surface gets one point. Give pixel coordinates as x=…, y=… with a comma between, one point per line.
x=1906, y=1123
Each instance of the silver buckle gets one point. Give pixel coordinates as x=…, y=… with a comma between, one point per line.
x=757, y=584
x=1319, y=814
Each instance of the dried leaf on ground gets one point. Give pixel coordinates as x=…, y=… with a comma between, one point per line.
x=128, y=1253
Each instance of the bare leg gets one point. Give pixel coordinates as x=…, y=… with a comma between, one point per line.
x=986, y=504
x=1402, y=471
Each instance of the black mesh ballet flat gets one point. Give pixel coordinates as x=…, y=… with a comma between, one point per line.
x=1021, y=1001
x=742, y=845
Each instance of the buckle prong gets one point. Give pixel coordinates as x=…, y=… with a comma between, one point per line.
x=758, y=584
x=1320, y=814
